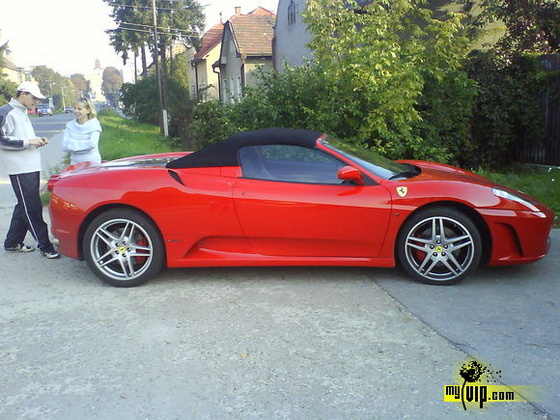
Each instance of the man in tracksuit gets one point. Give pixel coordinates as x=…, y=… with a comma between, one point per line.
x=21, y=159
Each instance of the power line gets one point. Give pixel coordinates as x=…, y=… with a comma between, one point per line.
x=148, y=8
x=141, y=27
x=147, y=31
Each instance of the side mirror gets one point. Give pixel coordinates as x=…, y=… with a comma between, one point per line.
x=349, y=173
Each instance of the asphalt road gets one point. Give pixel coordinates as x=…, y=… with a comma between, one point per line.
x=507, y=316
x=270, y=343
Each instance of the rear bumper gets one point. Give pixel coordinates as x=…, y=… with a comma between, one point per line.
x=65, y=227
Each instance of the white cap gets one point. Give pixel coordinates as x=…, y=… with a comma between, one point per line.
x=32, y=88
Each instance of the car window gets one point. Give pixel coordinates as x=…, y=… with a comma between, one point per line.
x=289, y=163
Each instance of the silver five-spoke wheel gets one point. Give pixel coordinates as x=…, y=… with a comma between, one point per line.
x=439, y=246
x=123, y=248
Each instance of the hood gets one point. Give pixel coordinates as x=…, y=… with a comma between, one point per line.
x=432, y=171
x=441, y=172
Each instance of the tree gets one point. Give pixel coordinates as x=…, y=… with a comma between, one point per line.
x=379, y=60
x=133, y=31
x=531, y=25
x=511, y=83
x=112, y=82
x=80, y=83
x=7, y=87
x=177, y=21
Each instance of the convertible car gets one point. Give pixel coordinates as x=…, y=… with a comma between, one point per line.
x=287, y=197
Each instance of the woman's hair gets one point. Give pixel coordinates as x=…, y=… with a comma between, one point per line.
x=87, y=104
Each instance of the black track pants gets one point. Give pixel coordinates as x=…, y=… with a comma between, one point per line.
x=28, y=213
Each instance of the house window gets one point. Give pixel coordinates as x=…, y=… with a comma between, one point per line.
x=292, y=13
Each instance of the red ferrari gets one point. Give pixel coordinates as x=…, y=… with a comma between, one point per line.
x=285, y=197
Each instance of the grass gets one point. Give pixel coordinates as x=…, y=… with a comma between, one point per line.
x=542, y=183
x=124, y=137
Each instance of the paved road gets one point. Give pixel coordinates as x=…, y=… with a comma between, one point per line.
x=508, y=316
x=274, y=343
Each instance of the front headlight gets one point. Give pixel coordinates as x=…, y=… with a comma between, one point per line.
x=513, y=197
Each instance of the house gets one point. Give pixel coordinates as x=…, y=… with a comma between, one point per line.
x=291, y=35
x=205, y=83
x=246, y=48
x=14, y=73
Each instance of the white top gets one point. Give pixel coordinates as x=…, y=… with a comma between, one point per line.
x=82, y=141
x=16, y=155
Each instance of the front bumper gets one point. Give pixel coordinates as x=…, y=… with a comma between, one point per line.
x=518, y=237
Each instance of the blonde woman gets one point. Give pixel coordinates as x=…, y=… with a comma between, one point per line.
x=81, y=136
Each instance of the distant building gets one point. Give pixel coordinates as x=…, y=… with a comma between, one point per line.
x=13, y=72
x=95, y=79
x=205, y=83
x=246, y=47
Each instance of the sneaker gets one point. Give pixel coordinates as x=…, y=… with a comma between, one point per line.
x=51, y=255
x=20, y=248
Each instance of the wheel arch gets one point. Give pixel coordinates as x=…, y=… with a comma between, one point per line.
x=470, y=212
x=102, y=209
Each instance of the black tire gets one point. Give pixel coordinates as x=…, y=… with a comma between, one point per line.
x=123, y=248
x=439, y=246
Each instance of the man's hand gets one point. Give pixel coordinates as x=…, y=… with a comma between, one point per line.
x=38, y=142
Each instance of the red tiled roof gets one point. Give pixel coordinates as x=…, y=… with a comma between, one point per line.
x=211, y=39
x=253, y=32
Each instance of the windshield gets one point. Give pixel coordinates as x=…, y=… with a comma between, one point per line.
x=368, y=159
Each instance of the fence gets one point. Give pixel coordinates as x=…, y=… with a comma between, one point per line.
x=547, y=152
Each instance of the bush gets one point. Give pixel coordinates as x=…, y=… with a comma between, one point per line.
x=508, y=108
x=141, y=101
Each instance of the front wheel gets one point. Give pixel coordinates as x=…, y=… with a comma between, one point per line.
x=439, y=246
x=123, y=248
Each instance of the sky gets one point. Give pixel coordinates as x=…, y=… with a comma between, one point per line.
x=69, y=35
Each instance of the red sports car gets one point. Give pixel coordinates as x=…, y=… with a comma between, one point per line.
x=285, y=197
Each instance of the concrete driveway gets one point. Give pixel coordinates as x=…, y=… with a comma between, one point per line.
x=235, y=343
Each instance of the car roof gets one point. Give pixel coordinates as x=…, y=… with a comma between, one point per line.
x=225, y=153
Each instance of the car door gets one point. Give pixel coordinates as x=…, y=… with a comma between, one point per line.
x=290, y=202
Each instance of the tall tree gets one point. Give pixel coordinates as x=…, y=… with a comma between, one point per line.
x=133, y=32
x=80, y=83
x=378, y=60
x=177, y=21
x=7, y=87
x=531, y=25
x=112, y=82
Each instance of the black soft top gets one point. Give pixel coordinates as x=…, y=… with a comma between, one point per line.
x=225, y=153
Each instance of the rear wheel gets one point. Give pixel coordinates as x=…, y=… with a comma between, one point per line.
x=439, y=246
x=123, y=248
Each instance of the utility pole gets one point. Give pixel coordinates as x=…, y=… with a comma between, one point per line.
x=163, y=116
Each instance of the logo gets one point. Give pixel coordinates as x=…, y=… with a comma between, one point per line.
x=402, y=191
x=478, y=385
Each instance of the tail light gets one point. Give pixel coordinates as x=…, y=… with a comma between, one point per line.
x=52, y=180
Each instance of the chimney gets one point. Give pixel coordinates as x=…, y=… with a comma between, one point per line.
x=237, y=10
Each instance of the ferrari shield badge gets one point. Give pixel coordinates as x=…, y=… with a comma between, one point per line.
x=402, y=191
